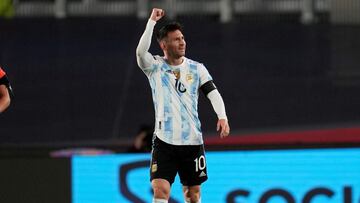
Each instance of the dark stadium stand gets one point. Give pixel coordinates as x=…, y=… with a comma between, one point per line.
x=76, y=81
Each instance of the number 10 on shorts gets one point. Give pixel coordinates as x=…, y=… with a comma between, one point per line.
x=200, y=163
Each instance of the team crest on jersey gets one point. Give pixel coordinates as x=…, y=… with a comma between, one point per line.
x=189, y=78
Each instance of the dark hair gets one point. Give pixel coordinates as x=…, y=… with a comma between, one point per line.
x=171, y=27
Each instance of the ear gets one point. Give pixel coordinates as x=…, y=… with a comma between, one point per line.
x=162, y=44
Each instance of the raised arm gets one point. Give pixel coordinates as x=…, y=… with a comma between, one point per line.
x=144, y=58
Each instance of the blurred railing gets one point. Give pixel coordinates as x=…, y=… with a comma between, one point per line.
x=226, y=9
x=341, y=11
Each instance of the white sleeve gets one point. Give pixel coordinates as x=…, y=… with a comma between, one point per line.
x=204, y=74
x=217, y=103
x=143, y=57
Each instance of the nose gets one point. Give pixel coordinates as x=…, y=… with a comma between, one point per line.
x=182, y=42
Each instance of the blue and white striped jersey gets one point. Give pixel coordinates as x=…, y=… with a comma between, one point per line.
x=175, y=91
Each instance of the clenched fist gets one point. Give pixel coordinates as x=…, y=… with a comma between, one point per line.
x=157, y=14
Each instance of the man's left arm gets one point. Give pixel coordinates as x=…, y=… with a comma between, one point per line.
x=209, y=89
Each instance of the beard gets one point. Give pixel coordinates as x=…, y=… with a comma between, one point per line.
x=178, y=54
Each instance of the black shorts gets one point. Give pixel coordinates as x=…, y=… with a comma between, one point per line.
x=189, y=161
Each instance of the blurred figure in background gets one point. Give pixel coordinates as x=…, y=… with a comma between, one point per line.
x=5, y=90
x=143, y=139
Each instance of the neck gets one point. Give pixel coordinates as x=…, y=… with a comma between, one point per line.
x=174, y=61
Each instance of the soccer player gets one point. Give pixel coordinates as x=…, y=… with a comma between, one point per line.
x=4, y=91
x=175, y=82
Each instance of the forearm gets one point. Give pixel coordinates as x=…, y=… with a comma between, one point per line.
x=4, y=98
x=143, y=56
x=217, y=103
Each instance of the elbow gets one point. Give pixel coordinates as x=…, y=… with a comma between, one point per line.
x=8, y=101
x=140, y=57
x=5, y=103
x=139, y=52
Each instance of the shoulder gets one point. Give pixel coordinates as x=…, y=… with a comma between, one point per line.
x=195, y=64
x=156, y=62
x=159, y=59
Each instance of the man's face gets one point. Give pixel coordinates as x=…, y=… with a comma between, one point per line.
x=174, y=44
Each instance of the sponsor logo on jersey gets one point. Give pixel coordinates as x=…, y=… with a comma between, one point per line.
x=202, y=174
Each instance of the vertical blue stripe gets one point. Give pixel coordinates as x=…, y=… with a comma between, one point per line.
x=153, y=91
x=168, y=122
x=185, y=125
x=195, y=91
x=195, y=84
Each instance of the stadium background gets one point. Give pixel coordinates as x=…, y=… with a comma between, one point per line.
x=288, y=72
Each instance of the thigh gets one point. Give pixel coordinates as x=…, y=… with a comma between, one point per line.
x=193, y=169
x=163, y=165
